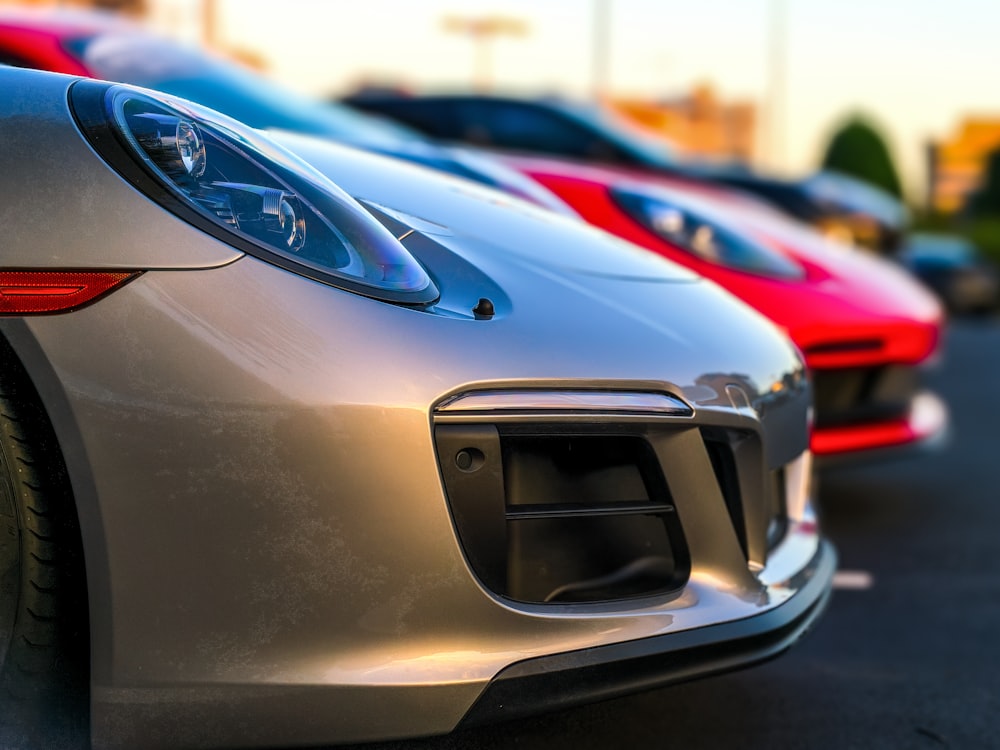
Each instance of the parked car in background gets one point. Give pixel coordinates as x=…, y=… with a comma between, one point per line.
x=260, y=442
x=865, y=327
x=102, y=45
x=838, y=205
x=952, y=266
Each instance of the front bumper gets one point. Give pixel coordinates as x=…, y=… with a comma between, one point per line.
x=565, y=680
x=263, y=715
x=924, y=426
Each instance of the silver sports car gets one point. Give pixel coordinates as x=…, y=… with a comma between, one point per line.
x=279, y=466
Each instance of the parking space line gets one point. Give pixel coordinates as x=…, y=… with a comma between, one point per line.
x=853, y=580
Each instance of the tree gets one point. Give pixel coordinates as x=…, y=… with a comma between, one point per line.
x=986, y=200
x=858, y=149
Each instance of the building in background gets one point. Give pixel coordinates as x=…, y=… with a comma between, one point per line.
x=955, y=166
x=699, y=123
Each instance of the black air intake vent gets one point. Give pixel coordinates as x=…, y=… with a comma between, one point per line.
x=755, y=498
x=777, y=511
x=567, y=517
x=720, y=452
x=857, y=395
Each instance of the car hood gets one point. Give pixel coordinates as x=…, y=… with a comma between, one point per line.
x=478, y=167
x=570, y=304
x=584, y=289
x=444, y=206
x=860, y=285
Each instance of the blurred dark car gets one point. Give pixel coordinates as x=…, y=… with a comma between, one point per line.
x=102, y=45
x=953, y=267
x=838, y=205
x=841, y=206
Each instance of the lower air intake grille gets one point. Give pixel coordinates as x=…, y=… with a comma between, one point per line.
x=570, y=517
x=734, y=455
x=724, y=465
x=858, y=395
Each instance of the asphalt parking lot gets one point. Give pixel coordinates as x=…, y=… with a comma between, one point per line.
x=908, y=655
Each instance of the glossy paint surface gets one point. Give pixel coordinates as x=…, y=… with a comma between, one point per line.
x=270, y=554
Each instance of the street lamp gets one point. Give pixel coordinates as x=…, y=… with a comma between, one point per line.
x=602, y=32
x=777, y=70
x=482, y=30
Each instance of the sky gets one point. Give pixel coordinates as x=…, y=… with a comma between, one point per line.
x=914, y=67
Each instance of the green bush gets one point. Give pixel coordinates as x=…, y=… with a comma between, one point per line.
x=858, y=149
x=985, y=233
x=979, y=220
x=985, y=202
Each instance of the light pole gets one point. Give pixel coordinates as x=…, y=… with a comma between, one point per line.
x=602, y=34
x=776, y=84
x=482, y=30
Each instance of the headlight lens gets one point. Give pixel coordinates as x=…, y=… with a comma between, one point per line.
x=237, y=185
x=836, y=231
x=705, y=237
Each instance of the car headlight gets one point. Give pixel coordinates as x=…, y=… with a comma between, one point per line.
x=836, y=230
x=240, y=187
x=705, y=237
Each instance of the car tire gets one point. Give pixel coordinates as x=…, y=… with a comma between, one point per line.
x=44, y=641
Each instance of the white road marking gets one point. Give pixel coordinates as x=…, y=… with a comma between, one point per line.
x=853, y=580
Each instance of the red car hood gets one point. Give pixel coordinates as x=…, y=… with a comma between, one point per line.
x=850, y=309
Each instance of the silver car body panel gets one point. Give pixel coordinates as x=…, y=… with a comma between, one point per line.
x=85, y=215
x=270, y=553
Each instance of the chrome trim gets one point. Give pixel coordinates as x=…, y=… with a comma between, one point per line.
x=566, y=402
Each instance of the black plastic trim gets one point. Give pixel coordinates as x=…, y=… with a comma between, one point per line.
x=851, y=396
x=487, y=516
x=577, y=677
x=583, y=510
x=845, y=347
x=718, y=445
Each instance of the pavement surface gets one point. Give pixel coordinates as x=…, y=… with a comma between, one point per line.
x=908, y=654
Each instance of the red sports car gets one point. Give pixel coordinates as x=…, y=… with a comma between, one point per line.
x=32, y=39
x=864, y=326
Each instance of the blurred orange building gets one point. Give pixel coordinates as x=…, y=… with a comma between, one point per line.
x=955, y=166
x=698, y=122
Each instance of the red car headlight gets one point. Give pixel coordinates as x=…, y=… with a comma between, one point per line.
x=704, y=236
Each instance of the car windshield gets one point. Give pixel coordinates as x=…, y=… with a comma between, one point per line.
x=155, y=63
x=650, y=149
x=855, y=194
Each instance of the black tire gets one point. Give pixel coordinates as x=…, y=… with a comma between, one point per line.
x=44, y=640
